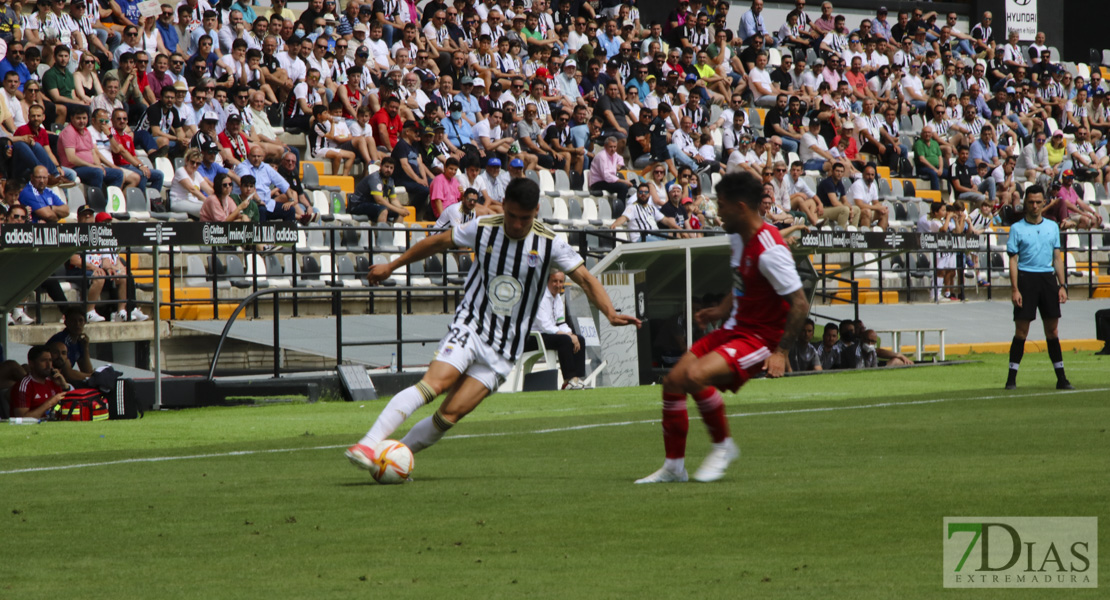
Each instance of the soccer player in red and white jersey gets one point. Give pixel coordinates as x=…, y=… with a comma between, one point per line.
x=767, y=308
x=42, y=388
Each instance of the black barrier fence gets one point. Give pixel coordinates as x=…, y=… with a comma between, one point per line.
x=253, y=257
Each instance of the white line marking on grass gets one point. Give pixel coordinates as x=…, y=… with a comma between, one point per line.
x=793, y=411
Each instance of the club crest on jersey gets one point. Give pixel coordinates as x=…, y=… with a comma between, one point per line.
x=534, y=259
x=504, y=294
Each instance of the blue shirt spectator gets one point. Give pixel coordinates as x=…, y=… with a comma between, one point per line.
x=7, y=65
x=1034, y=245
x=987, y=153
x=611, y=45
x=210, y=171
x=35, y=200
x=751, y=24
x=470, y=106
x=458, y=132
x=169, y=34
x=265, y=177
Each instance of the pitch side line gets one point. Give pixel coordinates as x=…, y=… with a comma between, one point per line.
x=794, y=411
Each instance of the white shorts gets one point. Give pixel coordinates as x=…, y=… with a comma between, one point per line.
x=470, y=355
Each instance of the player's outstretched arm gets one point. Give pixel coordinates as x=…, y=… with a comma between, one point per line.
x=600, y=298
x=795, y=318
x=429, y=246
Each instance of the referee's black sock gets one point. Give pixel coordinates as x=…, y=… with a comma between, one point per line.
x=1017, y=350
x=1057, y=357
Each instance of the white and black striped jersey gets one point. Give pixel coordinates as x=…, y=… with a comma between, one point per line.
x=645, y=217
x=507, y=280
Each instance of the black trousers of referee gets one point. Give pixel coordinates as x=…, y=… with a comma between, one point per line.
x=571, y=363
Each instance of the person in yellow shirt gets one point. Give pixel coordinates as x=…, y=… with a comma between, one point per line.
x=715, y=83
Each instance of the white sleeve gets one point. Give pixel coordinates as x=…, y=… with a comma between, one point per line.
x=466, y=235
x=559, y=309
x=565, y=257
x=777, y=265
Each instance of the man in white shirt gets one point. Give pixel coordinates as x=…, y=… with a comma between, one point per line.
x=552, y=326
x=865, y=193
x=759, y=82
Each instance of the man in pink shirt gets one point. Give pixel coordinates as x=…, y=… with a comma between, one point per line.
x=78, y=152
x=445, y=188
x=603, y=171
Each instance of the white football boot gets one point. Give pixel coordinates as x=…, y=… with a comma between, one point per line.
x=715, y=464
x=665, y=475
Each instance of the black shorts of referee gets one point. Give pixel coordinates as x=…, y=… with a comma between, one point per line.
x=1039, y=291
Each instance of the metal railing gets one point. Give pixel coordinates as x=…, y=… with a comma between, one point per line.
x=334, y=292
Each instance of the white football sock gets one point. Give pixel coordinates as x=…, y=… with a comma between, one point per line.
x=427, y=432
x=408, y=401
x=674, y=465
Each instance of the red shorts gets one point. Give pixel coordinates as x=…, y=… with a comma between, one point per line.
x=745, y=353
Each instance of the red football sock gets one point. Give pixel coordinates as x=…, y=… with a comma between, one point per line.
x=676, y=424
x=712, y=409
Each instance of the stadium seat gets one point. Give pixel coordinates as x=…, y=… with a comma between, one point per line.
x=589, y=209
x=116, y=201
x=774, y=57
x=310, y=272
x=271, y=267
x=529, y=362
x=195, y=273
x=75, y=198
x=530, y=174
x=547, y=209
x=546, y=181
x=138, y=206
x=237, y=274
x=95, y=198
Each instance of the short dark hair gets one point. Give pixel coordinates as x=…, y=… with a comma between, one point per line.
x=35, y=352
x=1036, y=188
x=741, y=187
x=388, y=161
x=523, y=192
x=247, y=181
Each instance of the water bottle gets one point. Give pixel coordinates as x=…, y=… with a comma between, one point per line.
x=393, y=363
x=23, y=421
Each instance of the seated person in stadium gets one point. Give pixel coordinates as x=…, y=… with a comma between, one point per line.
x=282, y=203
x=108, y=145
x=75, y=339
x=77, y=151
x=462, y=211
x=604, y=175
x=331, y=140
x=220, y=207
x=114, y=267
x=42, y=389
x=60, y=359
x=644, y=216
x=829, y=350
x=189, y=189
x=161, y=130
x=44, y=205
x=234, y=146
x=445, y=191
x=551, y=324
x=410, y=171
x=210, y=166
x=803, y=356
x=374, y=195
x=288, y=169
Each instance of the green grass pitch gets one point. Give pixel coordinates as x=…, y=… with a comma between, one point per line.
x=840, y=493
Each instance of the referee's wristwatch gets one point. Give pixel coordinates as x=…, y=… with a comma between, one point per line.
x=1062, y=285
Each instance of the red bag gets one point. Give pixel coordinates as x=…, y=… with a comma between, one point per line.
x=82, y=405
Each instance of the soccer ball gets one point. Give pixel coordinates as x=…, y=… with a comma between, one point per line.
x=392, y=463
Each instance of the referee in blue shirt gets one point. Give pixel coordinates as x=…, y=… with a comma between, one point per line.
x=1036, y=282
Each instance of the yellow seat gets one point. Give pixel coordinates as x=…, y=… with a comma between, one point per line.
x=319, y=164
x=930, y=195
x=344, y=183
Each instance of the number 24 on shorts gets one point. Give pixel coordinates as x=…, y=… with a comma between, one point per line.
x=458, y=336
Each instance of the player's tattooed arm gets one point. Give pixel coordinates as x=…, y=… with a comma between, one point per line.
x=795, y=318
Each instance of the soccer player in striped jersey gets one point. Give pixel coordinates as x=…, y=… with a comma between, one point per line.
x=513, y=255
x=768, y=309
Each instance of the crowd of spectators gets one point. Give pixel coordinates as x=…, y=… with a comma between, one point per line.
x=450, y=100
